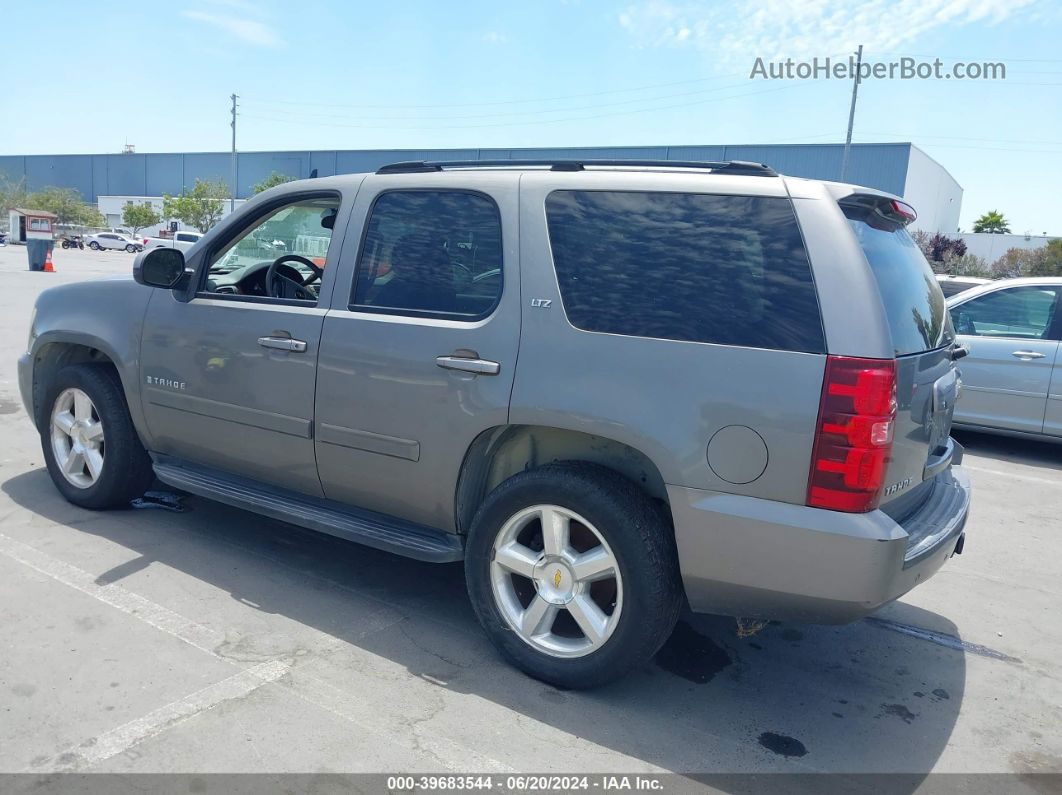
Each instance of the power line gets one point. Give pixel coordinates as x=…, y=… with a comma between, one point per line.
x=979, y=58
x=504, y=101
x=301, y=114
x=531, y=121
x=967, y=138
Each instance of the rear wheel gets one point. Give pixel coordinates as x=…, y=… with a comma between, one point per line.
x=573, y=574
x=91, y=448
x=94, y=245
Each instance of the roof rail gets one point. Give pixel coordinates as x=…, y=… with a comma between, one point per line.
x=741, y=167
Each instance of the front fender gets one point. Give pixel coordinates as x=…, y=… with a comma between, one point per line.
x=105, y=316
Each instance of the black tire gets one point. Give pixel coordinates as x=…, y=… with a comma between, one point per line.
x=642, y=542
x=126, y=472
x=131, y=248
x=94, y=245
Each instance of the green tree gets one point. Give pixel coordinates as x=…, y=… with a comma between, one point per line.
x=1049, y=261
x=67, y=204
x=274, y=179
x=13, y=192
x=993, y=222
x=1043, y=261
x=137, y=216
x=201, y=207
x=963, y=265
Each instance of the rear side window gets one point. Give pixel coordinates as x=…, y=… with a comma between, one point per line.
x=431, y=253
x=913, y=301
x=730, y=270
x=1022, y=312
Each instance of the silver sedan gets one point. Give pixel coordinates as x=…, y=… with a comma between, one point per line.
x=1012, y=377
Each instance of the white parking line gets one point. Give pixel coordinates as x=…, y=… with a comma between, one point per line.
x=1018, y=475
x=144, y=609
x=124, y=737
x=307, y=688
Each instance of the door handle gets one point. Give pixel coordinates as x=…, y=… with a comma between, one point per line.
x=1028, y=354
x=283, y=344
x=468, y=364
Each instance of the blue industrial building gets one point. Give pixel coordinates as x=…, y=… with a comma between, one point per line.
x=899, y=168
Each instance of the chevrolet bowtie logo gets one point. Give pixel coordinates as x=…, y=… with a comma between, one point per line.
x=557, y=578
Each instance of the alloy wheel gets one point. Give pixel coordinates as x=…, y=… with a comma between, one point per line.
x=556, y=581
x=77, y=438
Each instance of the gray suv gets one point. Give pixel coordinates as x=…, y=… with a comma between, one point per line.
x=610, y=388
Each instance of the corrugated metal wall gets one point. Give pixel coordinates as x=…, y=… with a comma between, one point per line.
x=882, y=166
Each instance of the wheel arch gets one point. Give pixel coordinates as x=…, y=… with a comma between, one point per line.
x=53, y=352
x=501, y=452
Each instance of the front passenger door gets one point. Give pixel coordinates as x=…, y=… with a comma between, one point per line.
x=229, y=376
x=1006, y=377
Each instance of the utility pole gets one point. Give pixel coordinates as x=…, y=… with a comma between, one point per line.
x=851, y=114
x=232, y=198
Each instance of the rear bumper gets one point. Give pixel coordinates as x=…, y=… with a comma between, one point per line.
x=748, y=557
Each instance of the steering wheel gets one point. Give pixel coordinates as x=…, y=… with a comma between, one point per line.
x=279, y=284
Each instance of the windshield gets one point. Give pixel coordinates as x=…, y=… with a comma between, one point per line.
x=914, y=304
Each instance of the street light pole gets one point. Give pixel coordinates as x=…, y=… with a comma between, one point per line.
x=232, y=198
x=851, y=114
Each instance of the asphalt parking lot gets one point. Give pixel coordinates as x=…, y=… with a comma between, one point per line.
x=217, y=641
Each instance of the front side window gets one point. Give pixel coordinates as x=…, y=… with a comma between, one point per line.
x=683, y=266
x=280, y=255
x=1020, y=312
x=431, y=253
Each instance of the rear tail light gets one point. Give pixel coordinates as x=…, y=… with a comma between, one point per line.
x=853, y=436
x=904, y=210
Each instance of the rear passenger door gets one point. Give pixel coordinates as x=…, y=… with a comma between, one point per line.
x=419, y=348
x=1011, y=336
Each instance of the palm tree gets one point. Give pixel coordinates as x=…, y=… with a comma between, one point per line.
x=992, y=222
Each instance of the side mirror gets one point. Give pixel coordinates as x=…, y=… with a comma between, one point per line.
x=159, y=267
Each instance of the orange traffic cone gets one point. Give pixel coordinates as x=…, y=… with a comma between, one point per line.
x=48, y=267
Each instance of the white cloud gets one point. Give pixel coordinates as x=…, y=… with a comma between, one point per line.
x=775, y=29
x=494, y=37
x=248, y=30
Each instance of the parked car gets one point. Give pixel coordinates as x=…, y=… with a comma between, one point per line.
x=953, y=285
x=180, y=240
x=1012, y=379
x=694, y=340
x=112, y=240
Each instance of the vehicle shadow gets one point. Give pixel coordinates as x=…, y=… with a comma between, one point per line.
x=1011, y=450
x=797, y=698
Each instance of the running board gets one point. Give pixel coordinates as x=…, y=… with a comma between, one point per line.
x=363, y=527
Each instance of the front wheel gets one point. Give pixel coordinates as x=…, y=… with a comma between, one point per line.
x=573, y=573
x=91, y=448
x=131, y=248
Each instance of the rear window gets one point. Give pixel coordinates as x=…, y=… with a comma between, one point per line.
x=913, y=301
x=693, y=267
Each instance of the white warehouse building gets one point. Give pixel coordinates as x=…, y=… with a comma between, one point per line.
x=113, y=179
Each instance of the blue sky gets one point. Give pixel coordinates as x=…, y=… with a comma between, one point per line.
x=316, y=74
